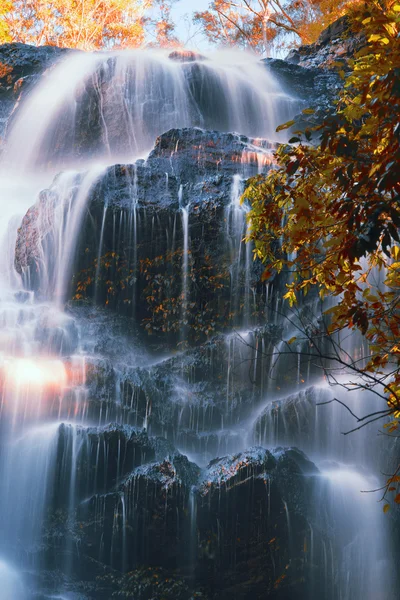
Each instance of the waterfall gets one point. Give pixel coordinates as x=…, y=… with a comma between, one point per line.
x=235, y=231
x=10, y=581
x=241, y=253
x=343, y=498
x=67, y=233
x=113, y=106
x=27, y=463
x=185, y=259
x=81, y=495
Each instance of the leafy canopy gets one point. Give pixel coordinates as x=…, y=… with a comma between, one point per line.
x=333, y=208
x=261, y=24
x=86, y=24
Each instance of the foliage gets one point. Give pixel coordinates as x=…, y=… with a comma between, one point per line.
x=5, y=8
x=114, y=281
x=5, y=72
x=258, y=24
x=111, y=272
x=84, y=24
x=151, y=583
x=334, y=208
x=165, y=298
x=162, y=28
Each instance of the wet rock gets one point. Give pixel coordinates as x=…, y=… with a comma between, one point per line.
x=20, y=67
x=102, y=457
x=193, y=397
x=118, y=501
x=292, y=419
x=240, y=527
x=311, y=73
x=23, y=60
x=51, y=584
x=336, y=43
x=136, y=213
x=145, y=521
x=153, y=584
x=185, y=56
x=195, y=152
x=252, y=525
x=318, y=87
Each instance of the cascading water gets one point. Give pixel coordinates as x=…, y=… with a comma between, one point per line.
x=65, y=472
x=113, y=106
x=185, y=256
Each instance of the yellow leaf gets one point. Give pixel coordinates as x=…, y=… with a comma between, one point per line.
x=285, y=126
x=291, y=296
x=386, y=508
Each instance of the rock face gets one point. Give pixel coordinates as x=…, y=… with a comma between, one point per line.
x=20, y=67
x=239, y=528
x=318, y=86
x=133, y=234
x=336, y=43
x=260, y=557
x=196, y=398
x=309, y=72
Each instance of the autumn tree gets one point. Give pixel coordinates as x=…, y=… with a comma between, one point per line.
x=259, y=24
x=162, y=28
x=5, y=9
x=332, y=207
x=84, y=24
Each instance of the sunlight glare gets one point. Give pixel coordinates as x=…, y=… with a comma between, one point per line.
x=25, y=372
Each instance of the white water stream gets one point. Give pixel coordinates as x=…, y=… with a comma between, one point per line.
x=90, y=111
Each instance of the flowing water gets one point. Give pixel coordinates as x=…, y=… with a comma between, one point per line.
x=91, y=111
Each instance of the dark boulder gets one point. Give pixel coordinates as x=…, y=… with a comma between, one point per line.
x=253, y=525
x=23, y=60
x=145, y=521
